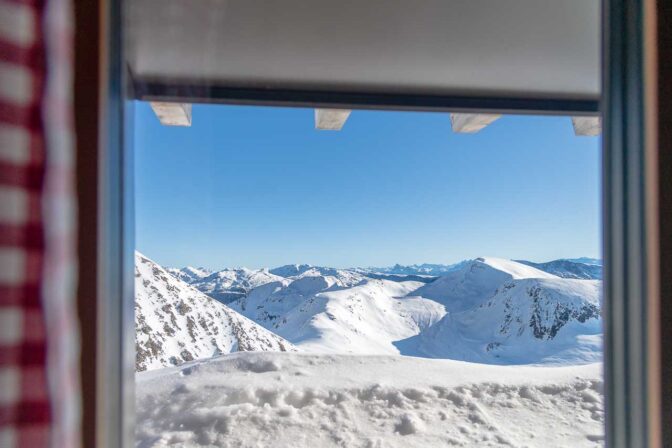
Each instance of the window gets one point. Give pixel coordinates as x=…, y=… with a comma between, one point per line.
x=198, y=89
x=298, y=286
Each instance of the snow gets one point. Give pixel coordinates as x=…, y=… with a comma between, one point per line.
x=189, y=274
x=326, y=314
x=548, y=320
x=476, y=281
x=177, y=323
x=309, y=400
x=516, y=351
x=513, y=268
x=228, y=285
x=291, y=270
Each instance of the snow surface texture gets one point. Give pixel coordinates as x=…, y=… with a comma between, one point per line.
x=307, y=400
x=176, y=323
x=340, y=313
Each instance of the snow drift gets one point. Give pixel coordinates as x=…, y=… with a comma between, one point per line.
x=301, y=400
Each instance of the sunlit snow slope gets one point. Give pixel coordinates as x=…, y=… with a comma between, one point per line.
x=341, y=313
x=177, y=323
x=504, y=312
x=487, y=310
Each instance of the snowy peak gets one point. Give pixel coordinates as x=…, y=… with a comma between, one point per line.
x=513, y=268
x=294, y=271
x=290, y=270
x=228, y=285
x=487, y=309
x=475, y=282
x=177, y=323
x=189, y=274
x=547, y=320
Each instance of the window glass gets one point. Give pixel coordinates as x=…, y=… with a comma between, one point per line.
x=316, y=277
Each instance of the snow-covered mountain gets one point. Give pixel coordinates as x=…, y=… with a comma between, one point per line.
x=177, y=323
x=570, y=269
x=503, y=312
x=586, y=260
x=228, y=285
x=342, y=313
x=291, y=270
x=399, y=277
x=345, y=277
x=483, y=310
x=416, y=269
x=475, y=282
x=189, y=274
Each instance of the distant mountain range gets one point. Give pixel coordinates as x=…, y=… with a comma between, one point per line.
x=589, y=270
x=484, y=310
x=417, y=269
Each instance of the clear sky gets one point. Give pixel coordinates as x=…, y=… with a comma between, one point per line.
x=260, y=187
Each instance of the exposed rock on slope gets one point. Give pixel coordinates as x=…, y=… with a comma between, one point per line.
x=476, y=281
x=177, y=323
x=546, y=320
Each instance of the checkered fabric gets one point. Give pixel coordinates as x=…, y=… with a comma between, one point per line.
x=39, y=387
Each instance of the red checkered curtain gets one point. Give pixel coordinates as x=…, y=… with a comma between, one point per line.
x=39, y=383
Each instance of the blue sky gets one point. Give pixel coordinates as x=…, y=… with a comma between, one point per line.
x=259, y=187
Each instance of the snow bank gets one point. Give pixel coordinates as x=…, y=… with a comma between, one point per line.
x=301, y=400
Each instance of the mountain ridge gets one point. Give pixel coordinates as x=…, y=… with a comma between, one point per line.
x=176, y=323
x=357, y=311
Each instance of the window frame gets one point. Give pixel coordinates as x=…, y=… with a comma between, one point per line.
x=630, y=232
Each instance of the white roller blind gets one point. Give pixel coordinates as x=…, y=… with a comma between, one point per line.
x=506, y=48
